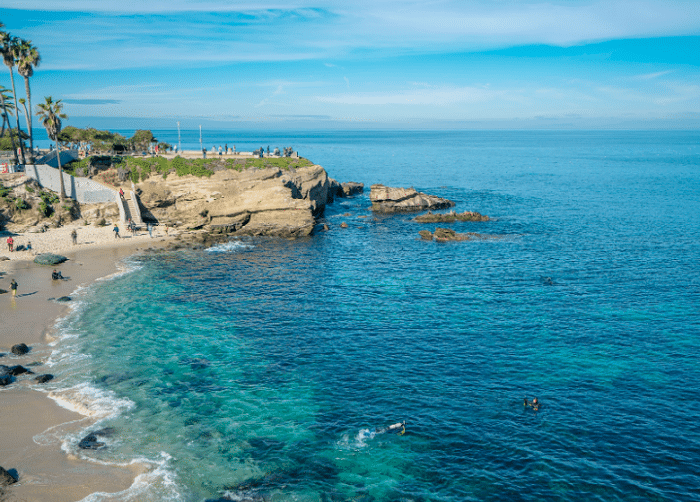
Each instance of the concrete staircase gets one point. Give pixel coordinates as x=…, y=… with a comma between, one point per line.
x=131, y=208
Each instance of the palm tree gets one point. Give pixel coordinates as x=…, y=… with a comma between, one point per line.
x=51, y=113
x=29, y=58
x=9, y=47
x=7, y=108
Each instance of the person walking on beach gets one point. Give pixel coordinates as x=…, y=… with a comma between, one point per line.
x=13, y=287
x=116, y=231
x=150, y=230
x=10, y=243
x=74, y=236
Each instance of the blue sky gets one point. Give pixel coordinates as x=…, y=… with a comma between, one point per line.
x=443, y=63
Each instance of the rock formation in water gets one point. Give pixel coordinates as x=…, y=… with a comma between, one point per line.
x=392, y=200
x=450, y=217
x=447, y=235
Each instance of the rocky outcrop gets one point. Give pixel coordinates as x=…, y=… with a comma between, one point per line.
x=450, y=217
x=249, y=202
x=392, y=200
x=351, y=188
x=448, y=235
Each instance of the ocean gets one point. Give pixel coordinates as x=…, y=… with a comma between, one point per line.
x=265, y=369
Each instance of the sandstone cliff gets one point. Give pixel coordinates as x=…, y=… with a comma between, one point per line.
x=248, y=202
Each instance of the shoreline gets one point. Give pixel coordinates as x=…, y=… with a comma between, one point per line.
x=46, y=472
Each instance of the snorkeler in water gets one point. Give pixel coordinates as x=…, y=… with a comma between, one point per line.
x=392, y=428
x=534, y=404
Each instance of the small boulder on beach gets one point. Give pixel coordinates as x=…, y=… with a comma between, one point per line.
x=6, y=478
x=44, y=378
x=20, y=349
x=64, y=299
x=6, y=380
x=19, y=370
x=49, y=259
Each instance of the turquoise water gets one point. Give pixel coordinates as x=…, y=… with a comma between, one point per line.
x=259, y=369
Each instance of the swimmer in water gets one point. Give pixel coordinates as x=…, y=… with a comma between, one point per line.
x=534, y=404
x=394, y=427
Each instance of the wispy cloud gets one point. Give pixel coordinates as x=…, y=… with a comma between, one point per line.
x=650, y=76
x=136, y=34
x=92, y=101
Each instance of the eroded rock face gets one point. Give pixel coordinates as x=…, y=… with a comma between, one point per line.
x=250, y=202
x=450, y=217
x=392, y=200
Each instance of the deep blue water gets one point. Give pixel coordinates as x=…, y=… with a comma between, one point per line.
x=260, y=368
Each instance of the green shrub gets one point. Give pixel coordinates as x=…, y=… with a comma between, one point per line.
x=29, y=189
x=46, y=209
x=21, y=204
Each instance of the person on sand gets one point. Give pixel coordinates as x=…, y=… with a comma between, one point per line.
x=534, y=404
x=116, y=231
x=150, y=230
x=56, y=276
x=121, y=193
x=10, y=243
x=74, y=236
x=13, y=287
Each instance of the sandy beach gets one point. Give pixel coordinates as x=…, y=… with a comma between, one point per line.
x=27, y=414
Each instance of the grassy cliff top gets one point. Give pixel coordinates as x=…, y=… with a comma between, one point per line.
x=142, y=168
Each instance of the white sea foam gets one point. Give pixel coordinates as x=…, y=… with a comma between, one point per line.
x=91, y=401
x=157, y=483
x=229, y=247
x=358, y=441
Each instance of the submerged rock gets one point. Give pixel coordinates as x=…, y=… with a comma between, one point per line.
x=44, y=378
x=392, y=200
x=49, y=259
x=448, y=235
x=91, y=441
x=450, y=217
x=20, y=349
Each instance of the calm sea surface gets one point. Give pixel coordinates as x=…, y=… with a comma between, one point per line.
x=259, y=369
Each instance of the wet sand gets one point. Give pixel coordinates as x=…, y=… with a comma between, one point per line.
x=28, y=417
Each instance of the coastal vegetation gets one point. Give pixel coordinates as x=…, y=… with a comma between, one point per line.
x=115, y=169
x=20, y=53
x=51, y=113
